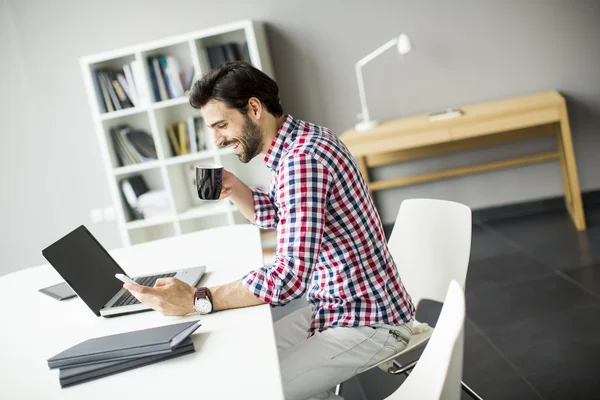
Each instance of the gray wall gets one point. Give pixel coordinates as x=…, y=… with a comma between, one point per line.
x=465, y=52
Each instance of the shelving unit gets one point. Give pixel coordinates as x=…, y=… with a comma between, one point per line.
x=170, y=172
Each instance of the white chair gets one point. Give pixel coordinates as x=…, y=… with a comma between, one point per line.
x=438, y=372
x=431, y=244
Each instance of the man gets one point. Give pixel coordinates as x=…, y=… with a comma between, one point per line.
x=331, y=244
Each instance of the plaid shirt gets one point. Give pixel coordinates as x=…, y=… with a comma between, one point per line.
x=331, y=243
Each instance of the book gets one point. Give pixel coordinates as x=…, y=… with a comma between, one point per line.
x=191, y=129
x=111, y=91
x=173, y=140
x=75, y=375
x=139, y=81
x=125, y=86
x=216, y=55
x=132, y=188
x=164, y=70
x=246, y=53
x=231, y=52
x=175, y=76
x=145, y=342
x=105, y=95
x=153, y=80
x=160, y=79
x=121, y=96
x=143, y=144
x=183, y=138
x=99, y=94
x=133, y=96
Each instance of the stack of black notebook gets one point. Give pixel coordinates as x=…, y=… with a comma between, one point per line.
x=109, y=355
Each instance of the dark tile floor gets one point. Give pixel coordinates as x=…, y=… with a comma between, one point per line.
x=533, y=313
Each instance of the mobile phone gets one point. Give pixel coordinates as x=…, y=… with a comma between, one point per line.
x=125, y=278
x=60, y=291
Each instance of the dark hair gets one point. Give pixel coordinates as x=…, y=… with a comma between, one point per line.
x=235, y=83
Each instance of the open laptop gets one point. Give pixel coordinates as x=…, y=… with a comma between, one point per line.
x=90, y=271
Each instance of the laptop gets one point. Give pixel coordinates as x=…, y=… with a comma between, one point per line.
x=90, y=271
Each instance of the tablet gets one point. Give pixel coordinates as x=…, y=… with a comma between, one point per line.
x=60, y=291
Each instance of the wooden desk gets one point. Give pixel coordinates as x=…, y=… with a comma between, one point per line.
x=482, y=125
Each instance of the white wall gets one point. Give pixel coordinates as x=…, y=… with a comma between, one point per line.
x=466, y=51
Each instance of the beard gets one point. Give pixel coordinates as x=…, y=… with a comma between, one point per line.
x=251, y=140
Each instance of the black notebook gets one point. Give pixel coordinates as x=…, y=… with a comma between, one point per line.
x=123, y=346
x=85, y=373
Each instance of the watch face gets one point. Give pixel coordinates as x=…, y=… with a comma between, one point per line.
x=203, y=306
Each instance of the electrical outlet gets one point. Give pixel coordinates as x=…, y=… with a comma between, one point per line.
x=96, y=215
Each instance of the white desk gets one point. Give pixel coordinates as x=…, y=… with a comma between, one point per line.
x=235, y=358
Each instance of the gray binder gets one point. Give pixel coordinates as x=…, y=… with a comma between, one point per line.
x=75, y=375
x=123, y=346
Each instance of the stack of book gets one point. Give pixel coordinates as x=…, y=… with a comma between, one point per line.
x=117, y=90
x=166, y=75
x=141, y=201
x=223, y=53
x=187, y=136
x=108, y=355
x=132, y=146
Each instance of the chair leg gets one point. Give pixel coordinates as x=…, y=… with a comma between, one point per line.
x=338, y=388
x=405, y=369
x=470, y=391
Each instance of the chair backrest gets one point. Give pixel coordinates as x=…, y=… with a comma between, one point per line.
x=438, y=372
x=431, y=244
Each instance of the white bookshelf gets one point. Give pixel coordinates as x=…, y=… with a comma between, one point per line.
x=169, y=172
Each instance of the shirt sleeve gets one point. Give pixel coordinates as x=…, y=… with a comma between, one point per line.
x=304, y=187
x=265, y=213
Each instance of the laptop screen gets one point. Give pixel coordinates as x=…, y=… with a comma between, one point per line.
x=86, y=266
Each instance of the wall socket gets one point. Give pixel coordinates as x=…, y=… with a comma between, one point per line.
x=100, y=215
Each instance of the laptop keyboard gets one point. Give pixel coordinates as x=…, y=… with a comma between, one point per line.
x=127, y=299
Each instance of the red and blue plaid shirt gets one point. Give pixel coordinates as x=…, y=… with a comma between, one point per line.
x=330, y=241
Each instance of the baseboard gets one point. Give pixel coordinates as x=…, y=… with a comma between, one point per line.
x=591, y=199
x=552, y=204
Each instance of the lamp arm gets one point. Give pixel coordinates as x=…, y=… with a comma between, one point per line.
x=359, y=76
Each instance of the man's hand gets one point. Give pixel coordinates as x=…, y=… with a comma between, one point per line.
x=169, y=296
x=230, y=183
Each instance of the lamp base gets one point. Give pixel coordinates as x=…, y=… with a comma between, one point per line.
x=366, y=125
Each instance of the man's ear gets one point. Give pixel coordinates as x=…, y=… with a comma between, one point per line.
x=255, y=108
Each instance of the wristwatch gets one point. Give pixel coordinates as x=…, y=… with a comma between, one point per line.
x=203, y=301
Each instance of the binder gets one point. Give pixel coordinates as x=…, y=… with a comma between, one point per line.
x=146, y=342
x=85, y=373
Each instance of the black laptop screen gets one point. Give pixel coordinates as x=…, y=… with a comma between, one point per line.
x=86, y=266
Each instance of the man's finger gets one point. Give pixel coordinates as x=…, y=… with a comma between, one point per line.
x=163, y=282
x=146, y=295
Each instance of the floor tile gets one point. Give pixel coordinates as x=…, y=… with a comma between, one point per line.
x=513, y=389
x=551, y=340
x=552, y=239
x=504, y=269
x=486, y=244
x=483, y=364
x=577, y=381
x=503, y=305
x=587, y=276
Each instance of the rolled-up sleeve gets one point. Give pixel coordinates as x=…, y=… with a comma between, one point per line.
x=304, y=188
x=265, y=213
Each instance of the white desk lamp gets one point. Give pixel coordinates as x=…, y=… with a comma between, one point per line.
x=403, y=46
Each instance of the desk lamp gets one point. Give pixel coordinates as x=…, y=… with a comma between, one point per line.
x=402, y=44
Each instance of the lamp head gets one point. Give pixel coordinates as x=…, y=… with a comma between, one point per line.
x=403, y=44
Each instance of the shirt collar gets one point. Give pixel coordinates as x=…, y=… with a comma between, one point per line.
x=280, y=143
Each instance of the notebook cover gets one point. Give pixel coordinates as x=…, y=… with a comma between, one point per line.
x=76, y=375
x=125, y=345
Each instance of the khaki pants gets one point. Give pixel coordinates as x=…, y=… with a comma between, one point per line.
x=312, y=366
